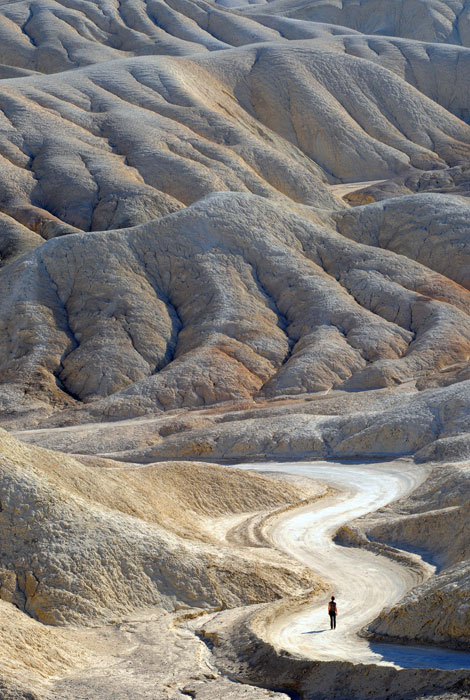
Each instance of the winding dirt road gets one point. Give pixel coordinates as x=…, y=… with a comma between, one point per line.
x=364, y=583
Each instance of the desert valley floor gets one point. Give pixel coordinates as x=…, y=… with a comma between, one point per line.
x=234, y=349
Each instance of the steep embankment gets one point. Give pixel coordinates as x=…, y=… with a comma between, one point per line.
x=434, y=521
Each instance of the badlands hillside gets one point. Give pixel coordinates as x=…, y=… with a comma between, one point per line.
x=230, y=232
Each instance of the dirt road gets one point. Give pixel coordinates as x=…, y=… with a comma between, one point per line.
x=364, y=583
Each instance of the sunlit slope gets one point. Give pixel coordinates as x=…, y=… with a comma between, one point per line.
x=124, y=142
x=53, y=36
x=83, y=541
x=437, y=70
x=430, y=228
x=434, y=520
x=199, y=252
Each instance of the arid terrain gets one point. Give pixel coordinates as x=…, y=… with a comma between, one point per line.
x=234, y=349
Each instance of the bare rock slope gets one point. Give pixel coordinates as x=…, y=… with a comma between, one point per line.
x=275, y=289
x=90, y=541
x=442, y=21
x=181, y=277
x=159, y=292
x=158, y=328
x=82, y=542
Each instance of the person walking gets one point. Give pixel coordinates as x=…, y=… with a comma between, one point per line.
x=332, y=612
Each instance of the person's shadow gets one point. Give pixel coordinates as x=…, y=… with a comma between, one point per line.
x=315, y=632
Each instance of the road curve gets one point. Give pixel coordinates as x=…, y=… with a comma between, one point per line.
x=364, y=583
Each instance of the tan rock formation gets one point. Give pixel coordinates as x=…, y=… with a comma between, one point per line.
x=31, y=653
x=236, y=296
x=224, y=234
x=150, y=653
x=56, y=36
x=136, y=336
x=81, y=542
x=436, y=612
x=426, y=228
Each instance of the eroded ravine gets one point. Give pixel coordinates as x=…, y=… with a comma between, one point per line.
x=364, y=583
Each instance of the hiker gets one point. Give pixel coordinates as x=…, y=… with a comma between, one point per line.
x=332, y=612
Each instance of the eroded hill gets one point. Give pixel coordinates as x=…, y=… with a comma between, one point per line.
x=228, y=231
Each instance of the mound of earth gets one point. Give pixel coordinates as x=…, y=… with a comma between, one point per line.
x=83, y=541
x=373, y=424
x=31, y=653
x=436, y=612
x=172, y=238
x=159, y=328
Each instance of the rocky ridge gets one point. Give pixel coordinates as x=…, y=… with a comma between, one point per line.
x=141, y=333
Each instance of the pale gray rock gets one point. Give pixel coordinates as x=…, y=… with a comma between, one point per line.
x=54, y=36
x=159, y=328
x=15, y=239
x=430, y=228
x=88, y=150
x=431, y=521
x=413, y=422
x=441, y=21
x=121, y=143
x=436, y=70
x=146, y=653
x=436, y=612
x=447, y=449
x=174, y=246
